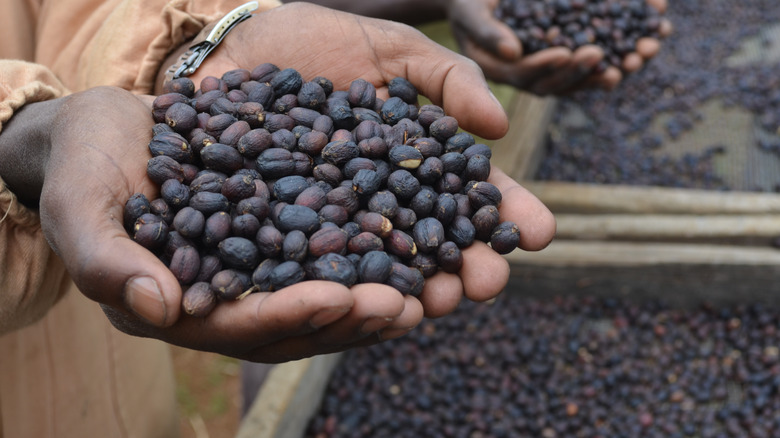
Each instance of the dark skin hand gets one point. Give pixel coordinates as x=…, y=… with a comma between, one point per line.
x=494, y=46
x=94, y=158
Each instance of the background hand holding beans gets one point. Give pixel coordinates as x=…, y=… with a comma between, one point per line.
x=559, y=46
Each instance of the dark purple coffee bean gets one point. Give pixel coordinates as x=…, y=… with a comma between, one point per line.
x=422, y=202
x=136, y=206
x=233, y=133
x=393, y=110
x=173, y=145
x=383, y=202
x=333, y=267
x=428, y=234
x=208, y=181
x=335, y=214
x=459, y=142
x=403, y=184
x=275, y=163
x=405, y=156
x=400, y=244
x=216, y=229
x=328, y=240
x=297, y=217
x=403, y=89
x=374, y=267
x=485, y=219
x=238, y=187
x=264, y=72
x=198, y=300
x=483, y=193
x=286, y=274
x=222, y=158
x=404, y=219
x=185, y=264
x=175, y=193
x=209, y=203
x=245, y=225
x=229, y=284
x=366, y=182
x=425, y=263
x=150, y=231
x=261, y=276
x=340, y=152
x=295, y=246
x=428, y=114
x=209, y=266
x=449, y=257
x=181, y=117
x=189, y=222
x=345, y=197
x=365, y=242
x=461, y=231
x=445, y=208
x=505, y=238
x=361, y=93
x=373, y=147
x=407, y=280
x=477, y=168
x=311, y=95
x=162, y=168
x=287, y=81
x=287, y=188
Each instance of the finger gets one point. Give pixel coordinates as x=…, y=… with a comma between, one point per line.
x=484, y=274
x=632, y=62
x=648, y=47
x=580, y=66
x=376, y=307
x=659, y=5
x=474, y=20
x=244, y=328
x=533, y=218
x=524, y=73
x=441, y=294
x=448, y=79
x=405, y=322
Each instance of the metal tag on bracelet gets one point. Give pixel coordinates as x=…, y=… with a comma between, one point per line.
x=192, y=58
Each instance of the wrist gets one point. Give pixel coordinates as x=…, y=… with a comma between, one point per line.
x=25, y=144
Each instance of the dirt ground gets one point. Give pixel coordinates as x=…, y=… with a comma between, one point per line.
x=208, y=393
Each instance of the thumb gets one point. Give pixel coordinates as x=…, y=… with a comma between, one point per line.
x=107, y=265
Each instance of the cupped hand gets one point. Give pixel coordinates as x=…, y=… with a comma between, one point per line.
x=97, y=160
x=485, y=273
x=342, y=47
x=554, y=71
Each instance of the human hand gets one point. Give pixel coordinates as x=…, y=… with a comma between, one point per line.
x=97, y=159
x=554, y=71
x=318, y=41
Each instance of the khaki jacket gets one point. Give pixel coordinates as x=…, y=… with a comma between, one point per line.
x=65, y=371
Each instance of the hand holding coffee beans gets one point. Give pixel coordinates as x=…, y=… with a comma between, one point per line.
x=267, y=180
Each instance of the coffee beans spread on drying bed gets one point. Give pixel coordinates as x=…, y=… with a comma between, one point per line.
x=706, y=104
x=267, y=180
x=568, y=367
x=613, y=25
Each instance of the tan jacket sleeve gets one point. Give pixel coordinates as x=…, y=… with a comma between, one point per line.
x=32, y=277
x=87, y=43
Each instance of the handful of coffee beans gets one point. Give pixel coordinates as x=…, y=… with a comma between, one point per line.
x=267, y=180
x=613, y=25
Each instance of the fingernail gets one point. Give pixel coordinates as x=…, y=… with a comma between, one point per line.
x=371, y=325
x=143, y=297
x=327, y=316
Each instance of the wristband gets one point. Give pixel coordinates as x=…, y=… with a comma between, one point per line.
x=190, y=60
